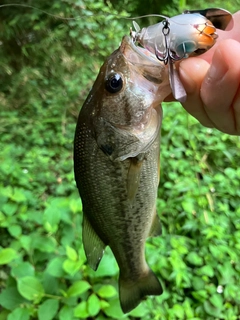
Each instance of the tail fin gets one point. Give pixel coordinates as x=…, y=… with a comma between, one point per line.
x=131, y=293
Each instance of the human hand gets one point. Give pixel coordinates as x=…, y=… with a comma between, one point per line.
x=212, y=82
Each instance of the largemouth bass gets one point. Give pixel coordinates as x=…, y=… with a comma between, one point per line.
x=116, y=164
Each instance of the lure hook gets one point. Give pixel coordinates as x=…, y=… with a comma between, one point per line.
x=168, y=54
x=165, y=55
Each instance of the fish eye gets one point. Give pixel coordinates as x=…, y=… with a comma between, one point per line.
x=113, y=82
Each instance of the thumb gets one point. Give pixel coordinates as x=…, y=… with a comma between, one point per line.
x=192, y=72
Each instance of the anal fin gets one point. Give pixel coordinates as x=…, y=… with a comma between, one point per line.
x=93, y=245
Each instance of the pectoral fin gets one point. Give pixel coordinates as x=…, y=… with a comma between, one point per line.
x=133, y=177
x=93, y=245
x=156, y=228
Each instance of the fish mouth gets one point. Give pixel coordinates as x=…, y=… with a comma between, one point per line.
x=143, y=61
x=136, y=54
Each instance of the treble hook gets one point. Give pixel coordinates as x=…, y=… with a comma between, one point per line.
x=168, y=54
x=165, y=31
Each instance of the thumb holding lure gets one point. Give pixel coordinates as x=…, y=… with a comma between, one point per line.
x=173, y=39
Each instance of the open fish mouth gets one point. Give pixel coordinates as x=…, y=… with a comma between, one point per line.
x=143, y=63
x=136, y=54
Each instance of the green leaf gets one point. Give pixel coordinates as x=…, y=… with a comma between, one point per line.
x=19, y=314
x=217, y=300
x=15, y=230
x=23, y=269
x=211, y=310
x=48, y=309
x=4, y=314
x=104, y=304
x=9, y=208
x=216, y=252
x=50, y=283
x=189, y=311
x=188, y=206
x=93, y=305
x=55, y=267
x=7, y=255
x=198, y=283
x=140, y=311
x=81, y=310
x=30, y=288
x=2, y=218
x=178, y=311
x=200, y=295
x=43, y=244
x=66, y=313
x=107, y=291
x=51, y=218
x=71, y=267
x=114, y=311
x=206, y=270
x=78, y=288
x=18, y=195
x=10, y=298
x=194, y=259
x=75, y=205
x=71, y=253
x=6, y=191
x=26, y=242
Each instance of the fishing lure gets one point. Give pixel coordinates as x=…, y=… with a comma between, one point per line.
x=188, y=34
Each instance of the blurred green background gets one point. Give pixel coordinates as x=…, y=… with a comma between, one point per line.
x=47, y=67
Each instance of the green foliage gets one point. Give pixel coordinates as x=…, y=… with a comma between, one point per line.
x=47, y=66
x=232, y=6
x=198, y=204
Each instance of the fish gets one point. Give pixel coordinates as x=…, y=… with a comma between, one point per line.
x=117, y=169
x=189, y=34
